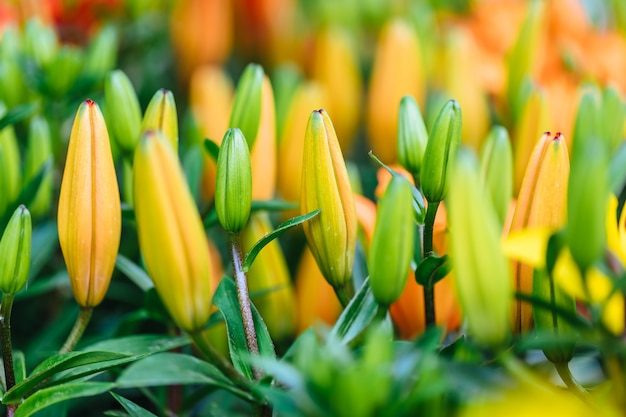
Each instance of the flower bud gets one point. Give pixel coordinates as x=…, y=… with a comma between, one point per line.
x=332, y=234
x=412, y=136
x=161, y=115
x=171, y=236
x=15, y=252
x=481, y=269
x=613, y=116
x=336, y=68
x=10, y=161
x=541, y=203
x=12, y=87
x=391, y=249
x=586, y=202
x=496, y=169
x=397, y=71
x=263, y=153
x=440, y=153
x=89, y=214
x=269, y=278
x=248, y=102
x=587, y=126
x=63, y=70
x=102, y=53
x=39, y=152
x=123, y=109
x=233, y=190
x=534, y=120
x=40, y=42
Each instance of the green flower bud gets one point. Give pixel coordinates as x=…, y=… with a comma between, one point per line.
x=496, y=169
x=39, y=152
x=10, y=164
x=233, y=190
x=391, y=249
x=123, y=109
x=443, y=143
x=246, y=111
x=161, y=115
x=613, y=116
x=15, y=252
x=588, y=194
x=12, y=86
x=545, y=288
x=412, y=135
x=102, y=53
x=40, y=42
x=63, y=70
x=481, y=270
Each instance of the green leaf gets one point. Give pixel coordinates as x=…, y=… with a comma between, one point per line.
x=418, y=199
x=140, y=344
x=48, y=396
x=225, y=299
x=17, y=114
x=265, y=205
x=19, y=366
x=357, y=316
x=28, y=192
x=45, y=242
x=574, y=319
x=134, y=272
x=282, y=228
x=432, y=269
x=212, y=148
x=54, y=365
x=58, y=281
x=133, y=409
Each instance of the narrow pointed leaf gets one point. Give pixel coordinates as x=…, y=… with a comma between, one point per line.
x=48, y=396
x=17, y=114
x=357, y=315
x=131, y=408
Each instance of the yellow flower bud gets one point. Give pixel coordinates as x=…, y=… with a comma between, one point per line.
x=171, y=235
x=397, y=72
x=89, y=214
x=161, y=115
x=325, y=185
x=263, y=150
x=542, y=202
x=269, y=278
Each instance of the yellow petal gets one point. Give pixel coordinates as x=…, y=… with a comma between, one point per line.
x=528, y=246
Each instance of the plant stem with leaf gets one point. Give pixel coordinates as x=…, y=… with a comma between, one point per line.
x=566, y=375
x=241, y=280
x=429, y=289
x=77, y=331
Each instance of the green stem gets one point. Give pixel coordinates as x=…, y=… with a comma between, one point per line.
x=7, y=349
x=616, y=375
x=517, y=370
x=566, y=375
x=241, y=280
x=344, y=294
x=429, y=290
x=79, y=328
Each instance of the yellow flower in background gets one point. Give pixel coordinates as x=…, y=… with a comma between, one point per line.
x=171, y=235
x=89, y=214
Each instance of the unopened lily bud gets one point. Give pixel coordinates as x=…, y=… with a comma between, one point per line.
x=481, y=269
x=336, y=68
x=39, y=152
x=161, y=115
x=586, y=204
x=587, y=126
x=63, y=70
x=412, y=136
x=11, y=162
x=391, y=249
x=246, y=111
x=233, y=190
x=496, y=169
x=440, y=153
x=171, y=236
x=269, y=278
x=263, y=153
x=534, y=120
x=89, y=214
x=123, y=110
x=12, y=86
x=541, y=203
x=102, y=53
x=397, y=71
x=40, y=42
x=613, y=117
x=15, y=252
x=332, y=234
